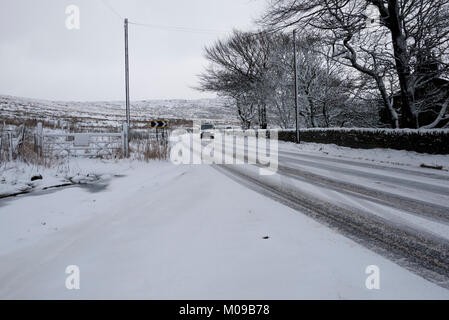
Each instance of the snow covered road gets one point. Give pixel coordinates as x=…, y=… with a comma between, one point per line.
x=185, y=232
x=401, y=212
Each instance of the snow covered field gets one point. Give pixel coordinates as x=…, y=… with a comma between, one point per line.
x=163, y=231
x=97, y=114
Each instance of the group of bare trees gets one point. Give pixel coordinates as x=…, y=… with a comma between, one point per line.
x=238, y=70
x=256, y=70
x=352, y=55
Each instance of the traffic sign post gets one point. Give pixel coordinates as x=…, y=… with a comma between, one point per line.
x=158, y=124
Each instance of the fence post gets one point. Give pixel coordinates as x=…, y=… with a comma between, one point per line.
x=125, y=141
x=39, y=138
x=10, y=145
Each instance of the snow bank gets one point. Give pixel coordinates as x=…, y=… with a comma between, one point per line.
x=380, y=155
x=15, y=176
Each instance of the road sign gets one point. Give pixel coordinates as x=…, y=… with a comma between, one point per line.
x=158, y=123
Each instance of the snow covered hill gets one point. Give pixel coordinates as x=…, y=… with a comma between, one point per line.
x=16, y=110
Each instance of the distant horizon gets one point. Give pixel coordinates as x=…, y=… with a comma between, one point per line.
x=121, y=101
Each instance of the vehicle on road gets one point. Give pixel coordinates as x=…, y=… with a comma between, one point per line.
x=207, y=131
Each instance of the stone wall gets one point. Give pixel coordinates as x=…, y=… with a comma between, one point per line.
x=424, y=141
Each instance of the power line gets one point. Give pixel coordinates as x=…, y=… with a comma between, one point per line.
x=165, y=27
x=112, y=9
x=179, y=28
x=198, y=30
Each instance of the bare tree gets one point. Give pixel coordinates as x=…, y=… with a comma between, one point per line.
x=257, y=71
x=406, y=31
x=238, y=69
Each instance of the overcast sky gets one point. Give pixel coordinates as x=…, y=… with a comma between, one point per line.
x=41, y=58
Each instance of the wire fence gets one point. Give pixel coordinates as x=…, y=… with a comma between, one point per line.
x=33, y=144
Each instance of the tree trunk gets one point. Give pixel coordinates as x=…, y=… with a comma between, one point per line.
x=263, y=117
x=409, y=118
x=375, y=75
x=312, y=112
x=326, y=118
x=245, y=121
x=387, y=103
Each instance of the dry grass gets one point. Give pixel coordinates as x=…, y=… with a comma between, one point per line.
x=27, y=153
x=149, y=149
x=144, y=146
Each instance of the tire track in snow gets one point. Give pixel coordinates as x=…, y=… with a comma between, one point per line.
x=366, y=165
x=443, y=190
x=422, y=253
x=417, y=207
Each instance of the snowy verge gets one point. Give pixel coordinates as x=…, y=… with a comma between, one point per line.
x=385, y=156
x=16, y=176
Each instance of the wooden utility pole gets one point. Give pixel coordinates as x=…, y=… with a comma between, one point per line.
x=296, y=88
x=127, y=75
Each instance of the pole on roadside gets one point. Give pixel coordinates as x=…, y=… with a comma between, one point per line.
x=298, y=140
x=127, y=75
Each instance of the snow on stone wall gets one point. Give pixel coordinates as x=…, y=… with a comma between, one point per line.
x=435, y=141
